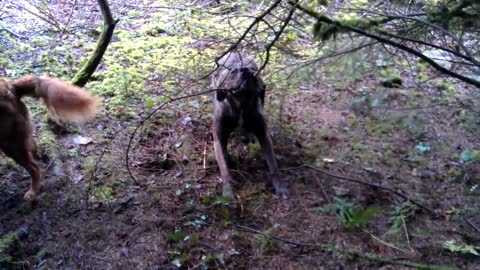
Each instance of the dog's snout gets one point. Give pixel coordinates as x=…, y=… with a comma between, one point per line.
x=248, y=73
x=245, y=70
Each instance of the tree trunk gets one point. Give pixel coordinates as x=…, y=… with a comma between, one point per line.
x=82, y=76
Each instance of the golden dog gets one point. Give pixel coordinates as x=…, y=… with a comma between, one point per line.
x=65, y=102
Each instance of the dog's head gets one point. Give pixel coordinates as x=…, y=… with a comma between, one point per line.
x=236, y=74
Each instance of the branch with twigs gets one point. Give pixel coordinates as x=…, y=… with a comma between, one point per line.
x=48, y=19
x=467, y=55
x=277, y=36
x=255, y=22
x=384, y=39
x=70, y=16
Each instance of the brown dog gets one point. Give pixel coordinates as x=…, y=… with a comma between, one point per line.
x=65, y=102
x=240, y=104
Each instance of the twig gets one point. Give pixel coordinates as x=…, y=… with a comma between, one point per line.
x=277, y=36
x=471, y=224
x=51, y=163
x=385, y=243
x=155, y=7
x=12, y=33
x=316, y=60
x=406, y=232
x=322, y=189
x=69, y=17
x=255, y=22
x=93, y=175
x=205, y=156
x=140, y=124
x=53, y=23
x=289, y=198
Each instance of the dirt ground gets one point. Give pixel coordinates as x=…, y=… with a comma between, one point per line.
x=93, y=215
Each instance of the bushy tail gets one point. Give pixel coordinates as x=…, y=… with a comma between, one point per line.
x=65, y=101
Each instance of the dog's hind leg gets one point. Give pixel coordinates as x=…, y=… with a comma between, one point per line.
x=23, y=153
x=36, y=174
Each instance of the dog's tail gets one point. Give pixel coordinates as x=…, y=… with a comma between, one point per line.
x=65, y=101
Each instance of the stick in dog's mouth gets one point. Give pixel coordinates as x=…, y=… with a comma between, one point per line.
x=243, y=85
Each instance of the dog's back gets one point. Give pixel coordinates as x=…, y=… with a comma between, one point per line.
x=11, y=111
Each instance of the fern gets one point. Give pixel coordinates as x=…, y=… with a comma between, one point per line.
x=399, y=216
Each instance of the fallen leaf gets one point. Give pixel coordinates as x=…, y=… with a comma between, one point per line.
x=329, y=160
x=81, y=140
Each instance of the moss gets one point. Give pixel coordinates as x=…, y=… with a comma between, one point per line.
x=47, y=140
x=7, y=244
x=444, y=85
x=393, y=81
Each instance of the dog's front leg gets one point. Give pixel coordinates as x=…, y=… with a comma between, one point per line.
x=221, y=132
x=261, y=131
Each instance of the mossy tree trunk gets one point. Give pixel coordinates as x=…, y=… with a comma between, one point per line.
x=82, y=76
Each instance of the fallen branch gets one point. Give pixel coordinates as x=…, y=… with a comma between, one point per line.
x=348, y=252
x=367, y=184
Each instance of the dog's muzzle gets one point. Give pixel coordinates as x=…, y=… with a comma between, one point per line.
x=248, y=73
x=247, y=77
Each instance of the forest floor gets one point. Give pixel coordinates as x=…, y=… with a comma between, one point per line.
x=387, y=172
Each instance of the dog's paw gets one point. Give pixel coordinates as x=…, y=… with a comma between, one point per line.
x=30, y=195
x=281, y=189
x=227, y=190
x=282, y=192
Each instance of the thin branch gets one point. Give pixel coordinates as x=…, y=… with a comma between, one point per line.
x=277, y=36
x=448, y=33
x=140, y=124
x=70, y=17
x=155, y=7
x=472, y=225
x=255, y=22
x=319, y=59
x=385, y=243
x=53, y=23
x=11, y=33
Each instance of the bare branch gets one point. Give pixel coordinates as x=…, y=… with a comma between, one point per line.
x=277, y=36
